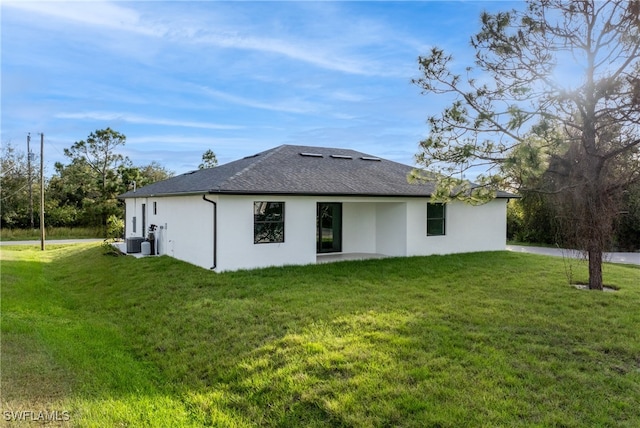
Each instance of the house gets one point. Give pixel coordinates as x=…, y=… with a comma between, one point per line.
x=292, y=205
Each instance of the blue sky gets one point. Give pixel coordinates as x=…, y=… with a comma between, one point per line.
x=178, y=78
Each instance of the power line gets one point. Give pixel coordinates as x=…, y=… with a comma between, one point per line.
x=4, y=174
x=56, y=149
x=14, y=193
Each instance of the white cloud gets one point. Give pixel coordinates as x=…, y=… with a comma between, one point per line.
x=347, y=96
x=182, y=152
x=294, y=105
x=304, y=52
x=323, y=50
x=132, y=118
x=90, y=13
x=194, y=141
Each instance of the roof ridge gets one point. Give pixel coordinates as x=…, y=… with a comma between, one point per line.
x=258, y=160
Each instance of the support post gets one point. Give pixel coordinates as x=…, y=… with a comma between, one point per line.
x=30, y=180
x=42, y=191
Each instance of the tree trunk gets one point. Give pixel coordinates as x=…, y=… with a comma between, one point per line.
x=595, y=269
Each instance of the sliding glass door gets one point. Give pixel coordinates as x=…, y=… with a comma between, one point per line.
x=329, y=227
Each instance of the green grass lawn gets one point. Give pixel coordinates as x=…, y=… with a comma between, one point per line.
x=52, y=233
x=472, y=340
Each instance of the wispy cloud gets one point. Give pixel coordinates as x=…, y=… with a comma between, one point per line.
x=168, y=148
x=299, y=51
x=287, y=105
x=193, y=141
x=337, y=54
x=97, y=14
x=347, y=96
x=132, y=118
x=236, y=77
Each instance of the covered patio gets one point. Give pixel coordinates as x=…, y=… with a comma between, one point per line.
x=339, y=257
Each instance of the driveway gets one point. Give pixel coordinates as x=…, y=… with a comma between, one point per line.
x=50, y=241
x=626, y=258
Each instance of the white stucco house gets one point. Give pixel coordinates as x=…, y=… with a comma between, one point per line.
x=292, y=205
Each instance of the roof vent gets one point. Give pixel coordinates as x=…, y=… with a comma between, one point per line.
x=341, y=157
x=312, y=155
x=370, y=158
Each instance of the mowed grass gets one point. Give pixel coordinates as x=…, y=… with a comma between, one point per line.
x=52, y=233
x=484, y=339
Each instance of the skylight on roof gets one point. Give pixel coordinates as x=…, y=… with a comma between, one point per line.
x=312, y=155
x=341, y=157
x=370, y=158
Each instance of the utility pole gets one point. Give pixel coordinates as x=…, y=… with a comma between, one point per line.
x=29, y=156
x=42, y=191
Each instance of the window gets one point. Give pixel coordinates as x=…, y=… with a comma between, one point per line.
x=435, y=219
x=155, y=208
x=268, y=222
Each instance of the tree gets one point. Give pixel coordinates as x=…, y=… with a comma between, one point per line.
x=70, y=187
x=555, y=77
x=74, y=194
x=209, y=160
x=99, y=152
x=14, y=187
x=96, y=160
x=141, y=176
x=154, y=172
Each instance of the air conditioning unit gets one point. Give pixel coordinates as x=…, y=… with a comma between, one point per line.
x=134, y=245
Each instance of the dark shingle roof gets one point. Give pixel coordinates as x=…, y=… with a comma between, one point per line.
x=297, y=170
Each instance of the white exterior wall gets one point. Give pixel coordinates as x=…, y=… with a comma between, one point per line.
x=133, y=209
x=358, y=227
x=398, y=227
x=185, y=226
x=389, y=226
x=467, y=228
x=236, y=249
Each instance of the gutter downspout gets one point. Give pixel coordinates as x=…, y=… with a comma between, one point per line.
x=215, y=231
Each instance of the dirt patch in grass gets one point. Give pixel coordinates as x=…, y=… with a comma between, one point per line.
x=606, y=288
x=31, y=379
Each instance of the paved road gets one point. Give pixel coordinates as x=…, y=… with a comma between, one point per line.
x=627, y=258
x=50, y=241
